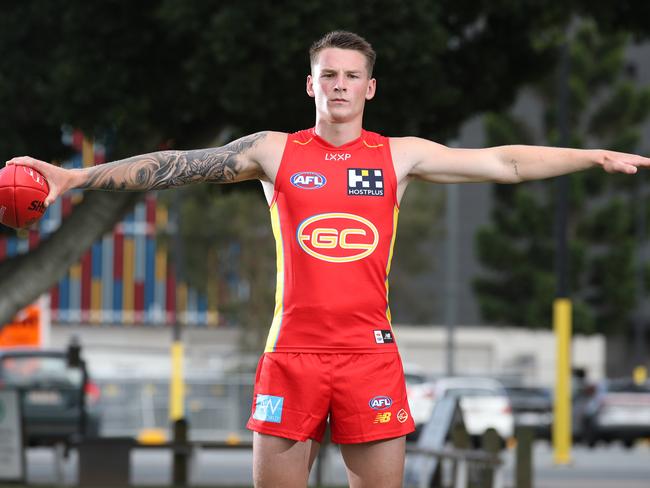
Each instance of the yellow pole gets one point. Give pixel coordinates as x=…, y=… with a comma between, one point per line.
x=562, y=436
x=88, y=152
x=177, y=386
x=640, y=375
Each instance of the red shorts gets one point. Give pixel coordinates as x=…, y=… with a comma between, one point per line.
x=364, y=396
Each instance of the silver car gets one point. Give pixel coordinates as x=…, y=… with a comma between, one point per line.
x=616, y=410
x=483, y=402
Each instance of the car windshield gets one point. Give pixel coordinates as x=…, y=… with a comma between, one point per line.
x=471, y=392
x=538, y=394
x=30, y=370
x=414, y=378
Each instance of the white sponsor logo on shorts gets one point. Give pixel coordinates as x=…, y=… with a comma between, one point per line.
x=402, y=416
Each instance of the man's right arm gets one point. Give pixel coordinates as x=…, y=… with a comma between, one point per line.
x=242, y=159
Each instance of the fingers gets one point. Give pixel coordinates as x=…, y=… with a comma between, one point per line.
x=27, y=161
x=625, y=163
x=51, y=197
x=626, y=168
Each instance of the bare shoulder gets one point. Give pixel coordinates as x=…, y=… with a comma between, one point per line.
x=408, y=152
x=267, y=150
x=254, y=156
x=258, y=145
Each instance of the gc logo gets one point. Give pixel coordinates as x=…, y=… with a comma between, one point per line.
x=337, y=237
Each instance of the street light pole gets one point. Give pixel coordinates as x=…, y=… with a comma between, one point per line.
x=562, y=310
x=180, y=425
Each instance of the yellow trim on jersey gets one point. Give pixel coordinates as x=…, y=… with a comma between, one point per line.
x=274, y=332
x=371, y=146
x=303, y=143
x=390, y=257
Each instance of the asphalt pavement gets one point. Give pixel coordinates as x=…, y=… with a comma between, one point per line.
x=604, y=467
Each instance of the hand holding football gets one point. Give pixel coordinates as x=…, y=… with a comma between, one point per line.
x=22, y=195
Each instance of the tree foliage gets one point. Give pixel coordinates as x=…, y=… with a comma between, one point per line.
x=518, y=248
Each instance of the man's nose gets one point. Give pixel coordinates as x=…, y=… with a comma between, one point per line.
x=340, y=83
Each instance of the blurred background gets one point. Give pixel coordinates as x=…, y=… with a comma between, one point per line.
x=474, y=275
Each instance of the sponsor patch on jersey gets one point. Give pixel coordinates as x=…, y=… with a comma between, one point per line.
x=402, y=416
x=383, y=336
x=365, y=182
x=337, y=237
x=380, y=402
x=382, y=418
x=308, y=180
x=337, y=156
x=268, y=408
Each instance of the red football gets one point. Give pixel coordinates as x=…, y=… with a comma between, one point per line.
x=22, y=196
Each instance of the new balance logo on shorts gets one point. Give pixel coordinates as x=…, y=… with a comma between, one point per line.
x=268, y=408
x=365, y=182
x=382, y=418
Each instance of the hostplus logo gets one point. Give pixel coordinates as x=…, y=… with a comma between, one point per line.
x=365, y=182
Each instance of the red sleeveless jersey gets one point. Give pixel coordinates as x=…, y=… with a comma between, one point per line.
x=334, y=217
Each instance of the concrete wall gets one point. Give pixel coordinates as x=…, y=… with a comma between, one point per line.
x=518, y=353
x=512, y=352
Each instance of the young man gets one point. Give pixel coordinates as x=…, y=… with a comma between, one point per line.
x=334, y=193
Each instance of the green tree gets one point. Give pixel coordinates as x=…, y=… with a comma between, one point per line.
x=518, y=246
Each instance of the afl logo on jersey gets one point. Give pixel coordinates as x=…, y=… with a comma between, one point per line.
x=308, y=180
x=337, y=237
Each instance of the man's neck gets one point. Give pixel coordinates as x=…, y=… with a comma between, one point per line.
x=338, y=134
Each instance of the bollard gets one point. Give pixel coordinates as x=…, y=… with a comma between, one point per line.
x=105, y=461
x=491, y=443
x=460, y=440
x=179, y=469
x=524, y=457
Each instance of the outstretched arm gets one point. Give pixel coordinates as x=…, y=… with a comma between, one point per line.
x=236, y=161
x=429, y=161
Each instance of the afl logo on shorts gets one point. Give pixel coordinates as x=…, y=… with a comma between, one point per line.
x=381, y=402
x=308, y=180
x=337, y=237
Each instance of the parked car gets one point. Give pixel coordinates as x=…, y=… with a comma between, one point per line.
x=532, y=407
x=50, y=391
x=616, y=409
x=484, y=404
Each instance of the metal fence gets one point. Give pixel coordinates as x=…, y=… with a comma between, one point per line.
x=216, y=409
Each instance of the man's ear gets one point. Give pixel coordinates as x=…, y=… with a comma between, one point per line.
x=310, y=86
x=372, y=88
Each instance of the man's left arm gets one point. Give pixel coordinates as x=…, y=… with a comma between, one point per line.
x=427, y=160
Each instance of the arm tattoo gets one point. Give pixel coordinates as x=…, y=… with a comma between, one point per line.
x=514, y=165
x=167, y=169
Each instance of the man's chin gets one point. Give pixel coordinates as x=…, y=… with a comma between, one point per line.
x=342, y=116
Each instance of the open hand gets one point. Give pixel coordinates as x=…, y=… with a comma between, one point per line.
x=618, y=162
